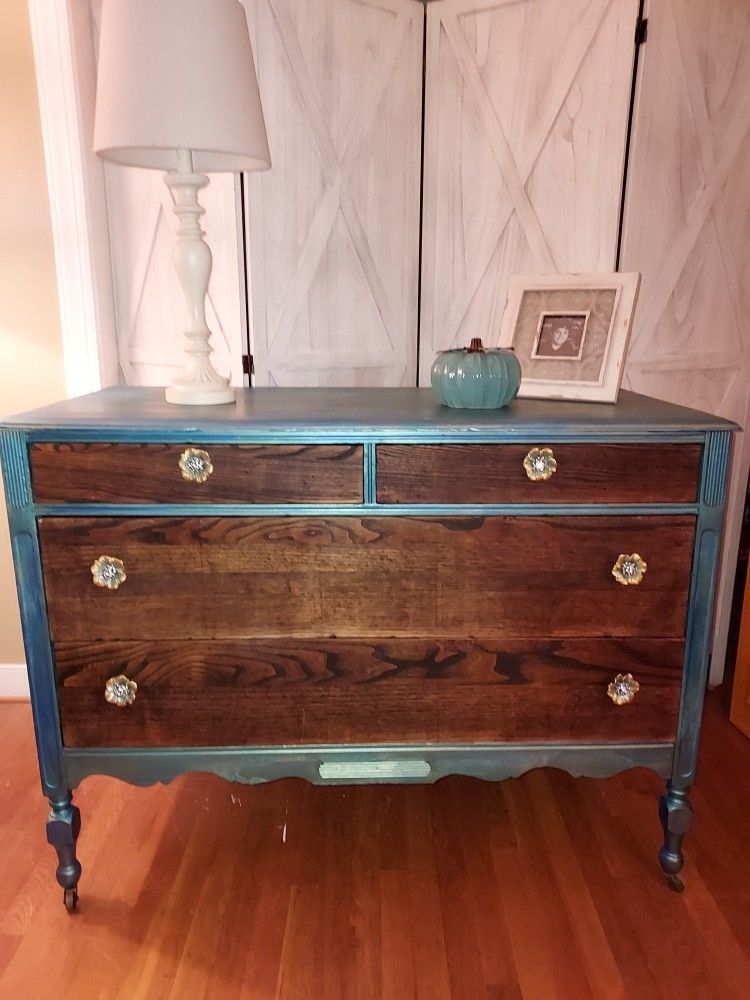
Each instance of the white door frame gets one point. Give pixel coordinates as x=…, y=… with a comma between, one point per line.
x=65, y=64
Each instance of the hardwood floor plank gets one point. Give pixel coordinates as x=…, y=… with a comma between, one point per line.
x=461, y=940
x=239, y=953
x=336, y=893
x=545, y=886
x=480, y=800
x=365, y=903
x=730, y=960
x=266, y=881
x=431, y=972
x=301, y=965
x=396, y=931
x=547, y=923
x=601, y=968
x=579, y=804
x=682, y=965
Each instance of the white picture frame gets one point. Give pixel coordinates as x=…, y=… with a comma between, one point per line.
x=594, y=314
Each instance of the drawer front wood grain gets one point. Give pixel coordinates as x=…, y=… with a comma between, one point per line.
x=494, y=473
x=303, y=577
x=367, y=691
x=242, y=473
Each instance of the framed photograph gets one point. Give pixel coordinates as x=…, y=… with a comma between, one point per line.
x=570, y=333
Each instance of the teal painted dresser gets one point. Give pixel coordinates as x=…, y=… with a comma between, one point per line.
x=363, y=586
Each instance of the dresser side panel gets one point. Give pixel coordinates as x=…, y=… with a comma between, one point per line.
x=709, y=531
x=33, y=609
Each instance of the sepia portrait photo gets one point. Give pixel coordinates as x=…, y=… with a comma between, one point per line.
x=560, y=335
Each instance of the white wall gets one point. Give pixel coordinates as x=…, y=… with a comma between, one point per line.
x=31, y=361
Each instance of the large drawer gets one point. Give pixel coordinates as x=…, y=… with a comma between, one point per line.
x=495, y=473
x=240, y=692
x=240, y=473
x=311, y=577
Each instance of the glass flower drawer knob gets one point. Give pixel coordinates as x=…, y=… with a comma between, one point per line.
x=629, y=570
x=120, y=691
x=623, y=689
x=108, y=572
x=195, y=465
x=540, y=463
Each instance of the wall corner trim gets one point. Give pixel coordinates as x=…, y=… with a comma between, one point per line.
x=14, y=682
x=66, y=85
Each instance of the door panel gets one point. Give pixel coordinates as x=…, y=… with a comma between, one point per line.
x=525, y=126
x=686, y=229
x=333, y=227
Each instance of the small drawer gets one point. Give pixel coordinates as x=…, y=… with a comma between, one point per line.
x=204, y=473
x=302, y=577
x=538, y=473
x=323, y=691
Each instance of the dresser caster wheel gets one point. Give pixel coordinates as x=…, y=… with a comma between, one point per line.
x=70, y=898
x=675, y=883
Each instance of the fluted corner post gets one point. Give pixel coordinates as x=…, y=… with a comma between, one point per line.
x=63, y=827
x=674, y=808
x=64, y=821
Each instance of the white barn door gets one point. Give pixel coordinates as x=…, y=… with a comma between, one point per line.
x=687, y=229
x=333, y=227
x=526, y=120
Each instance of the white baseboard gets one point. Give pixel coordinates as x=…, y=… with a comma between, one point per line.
x=14, y=682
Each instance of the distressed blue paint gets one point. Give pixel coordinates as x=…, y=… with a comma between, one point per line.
x=356, y=510
x=715, y=469
x=350, y=435
x=255, y=765
x=33, y=608
x=13, y=452
x=370, y=473
x=364, y=414
x=714, y=472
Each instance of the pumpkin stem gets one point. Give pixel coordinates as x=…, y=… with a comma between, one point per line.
x=476, y=345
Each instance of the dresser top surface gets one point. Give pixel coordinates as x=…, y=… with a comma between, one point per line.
x=378, y=411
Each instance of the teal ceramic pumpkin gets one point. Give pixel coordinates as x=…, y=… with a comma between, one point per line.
x=474, y=379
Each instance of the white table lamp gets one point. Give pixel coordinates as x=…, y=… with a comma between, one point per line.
x=177, y=91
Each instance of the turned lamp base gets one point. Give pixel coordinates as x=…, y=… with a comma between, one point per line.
x=199, y=384
x=199, y=395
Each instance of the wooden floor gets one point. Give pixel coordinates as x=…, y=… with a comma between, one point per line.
x=541, y=887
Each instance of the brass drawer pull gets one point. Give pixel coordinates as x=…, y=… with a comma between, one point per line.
x=629, y=569
x=108, y=572
x=623, y=689
x=195, y=465
x=120, y=691
x=540, y=463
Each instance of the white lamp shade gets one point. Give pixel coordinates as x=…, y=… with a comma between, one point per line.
x=178, y=75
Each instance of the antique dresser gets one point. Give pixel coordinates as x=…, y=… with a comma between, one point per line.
x=363, y=586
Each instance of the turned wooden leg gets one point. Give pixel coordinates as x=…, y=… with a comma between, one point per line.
x=676, y=817
x=63, y=827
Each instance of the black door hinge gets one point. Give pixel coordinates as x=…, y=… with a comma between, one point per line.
x=247, y=364
x=641, y=31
